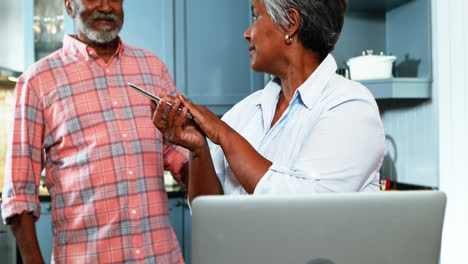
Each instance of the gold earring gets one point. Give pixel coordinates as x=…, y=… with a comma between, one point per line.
x=288, y=39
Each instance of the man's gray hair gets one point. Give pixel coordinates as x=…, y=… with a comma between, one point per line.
x=321, y=21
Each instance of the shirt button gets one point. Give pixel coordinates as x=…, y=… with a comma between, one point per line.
x=124, y=135
x=134, y=212
x=107, y=70
x=137, y=251
x=87, y=59
x=116, y=103
x=130, y=172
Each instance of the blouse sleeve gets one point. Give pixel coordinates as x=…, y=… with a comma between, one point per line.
x=342, y=153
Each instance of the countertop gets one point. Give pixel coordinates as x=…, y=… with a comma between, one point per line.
x=175, y=192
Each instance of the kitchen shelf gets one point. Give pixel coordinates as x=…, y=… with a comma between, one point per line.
x=401, y=88
x=374, y=6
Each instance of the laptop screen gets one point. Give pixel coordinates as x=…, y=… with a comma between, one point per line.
x=339, y=228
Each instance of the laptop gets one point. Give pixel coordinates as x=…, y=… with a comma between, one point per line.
x=337, y=228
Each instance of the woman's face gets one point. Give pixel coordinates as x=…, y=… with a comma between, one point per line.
x=265, y=40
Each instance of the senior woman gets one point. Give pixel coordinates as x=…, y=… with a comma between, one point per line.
x=308, y=131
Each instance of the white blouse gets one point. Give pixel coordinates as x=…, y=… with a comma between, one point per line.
x=329, y=139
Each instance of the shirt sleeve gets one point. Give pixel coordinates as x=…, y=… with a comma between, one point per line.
x=175, y=158
x=217, y=156
x=24, y=159
x=342, y=154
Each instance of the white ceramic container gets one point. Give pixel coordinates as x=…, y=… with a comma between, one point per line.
x=370, y=66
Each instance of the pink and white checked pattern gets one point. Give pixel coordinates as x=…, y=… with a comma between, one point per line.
x=105, y=159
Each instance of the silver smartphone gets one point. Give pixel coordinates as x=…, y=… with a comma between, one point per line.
x=153, y=97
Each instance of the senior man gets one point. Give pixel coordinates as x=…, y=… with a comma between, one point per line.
x=103, y=159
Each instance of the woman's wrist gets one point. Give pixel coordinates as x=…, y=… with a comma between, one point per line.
x=225, y=135
x=199, y=151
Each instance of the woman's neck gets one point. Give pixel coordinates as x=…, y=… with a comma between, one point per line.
x=301, y=65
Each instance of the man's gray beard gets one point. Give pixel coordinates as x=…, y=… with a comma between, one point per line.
x=97, y=36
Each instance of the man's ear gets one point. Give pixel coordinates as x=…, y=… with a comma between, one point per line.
x=294, y=21
x=69, y=8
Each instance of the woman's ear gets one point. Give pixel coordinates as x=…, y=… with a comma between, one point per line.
x=69, y=8
x=294, y=19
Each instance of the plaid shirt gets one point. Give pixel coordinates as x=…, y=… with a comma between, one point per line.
x=104, y=159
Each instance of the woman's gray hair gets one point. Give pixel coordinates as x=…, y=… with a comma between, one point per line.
x=321, y=21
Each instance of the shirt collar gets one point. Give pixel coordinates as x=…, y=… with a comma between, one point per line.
x=309, y=91
x=73, y=46
x=270, y=93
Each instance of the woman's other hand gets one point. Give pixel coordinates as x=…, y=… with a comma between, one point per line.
x=175, y=127
x=213, y=127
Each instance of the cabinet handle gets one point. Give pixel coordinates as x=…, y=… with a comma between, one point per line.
x=49, y=208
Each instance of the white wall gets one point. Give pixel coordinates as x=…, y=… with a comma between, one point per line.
x=450, y=41
x=12, y=32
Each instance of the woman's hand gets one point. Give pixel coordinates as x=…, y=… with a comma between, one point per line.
x=175, y=127
x=213, y=127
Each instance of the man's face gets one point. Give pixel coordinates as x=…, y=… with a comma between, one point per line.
x=100, y=21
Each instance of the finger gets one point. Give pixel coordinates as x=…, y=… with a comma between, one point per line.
x=179, y=121
x=183, y=99
x=152, y=107
x=154, y=115
x=191, y=107
x=171, y=114
x=158, y=120
x=168, y=98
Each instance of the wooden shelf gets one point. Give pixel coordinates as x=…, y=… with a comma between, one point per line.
x=374, y=5
x=409, y=88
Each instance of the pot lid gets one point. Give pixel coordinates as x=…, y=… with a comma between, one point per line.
x=368, y=56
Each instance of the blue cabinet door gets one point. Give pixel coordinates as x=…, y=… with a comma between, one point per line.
x=7, y=244
x=202, y=44
x=212, y=59
x=176, y=214
x=181, y=223
x=187, y=234
x=149, y=24
x=44, y=231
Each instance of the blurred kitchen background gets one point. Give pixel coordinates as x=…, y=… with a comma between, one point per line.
x=423, y=104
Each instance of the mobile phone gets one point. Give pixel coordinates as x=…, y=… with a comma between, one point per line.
x=154, y=97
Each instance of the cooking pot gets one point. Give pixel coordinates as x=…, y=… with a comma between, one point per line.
x=370, y=66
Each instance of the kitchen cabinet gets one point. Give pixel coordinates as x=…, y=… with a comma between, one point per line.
x=44, y=231
x=181, y=223
x=211, y=56
x=375, y=6
x=149, y=24
x=398, y=27
x=187, y=243
x=178, y=210
x=7, y=244
x=401, y=28
x=176, y=213
x=206, y=55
